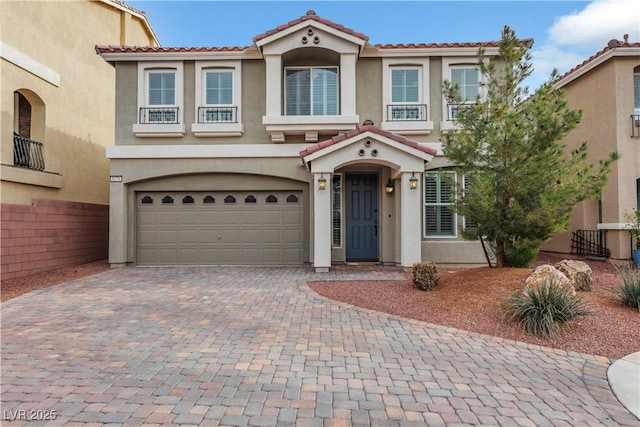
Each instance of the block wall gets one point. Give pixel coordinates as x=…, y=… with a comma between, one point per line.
x=50, y=234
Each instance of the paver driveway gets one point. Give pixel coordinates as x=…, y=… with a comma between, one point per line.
x=256, y=346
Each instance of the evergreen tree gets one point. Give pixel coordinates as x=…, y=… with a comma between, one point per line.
x=523, y=184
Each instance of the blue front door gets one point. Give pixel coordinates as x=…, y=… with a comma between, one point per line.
x=361, y=204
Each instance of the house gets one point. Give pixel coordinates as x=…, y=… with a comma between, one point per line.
x=606, y=87
x=309, y=146
x=57, y=118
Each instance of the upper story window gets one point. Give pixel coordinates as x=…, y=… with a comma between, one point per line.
x=160, y=99
x=27, y=152
x=405, y=95
x=467, y=81
x=218, y=99
x=311, y=91
x=636, y=92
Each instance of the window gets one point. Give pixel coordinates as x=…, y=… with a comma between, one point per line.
x=467, y=81
x=160, y=97
x=336, y=207
x=218, y=97
x=209, y=200
x=167, y=200
x=271, y=199
x=229, y=199
x=188, y=200
x=250, y=199
x=405, y=95
x=636, y=92
x=439, y=194
x=405, y=86
x=311, y=91
x=147, y=200
x=28, y=124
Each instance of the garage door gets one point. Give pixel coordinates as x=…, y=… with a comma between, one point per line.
x=234, y=228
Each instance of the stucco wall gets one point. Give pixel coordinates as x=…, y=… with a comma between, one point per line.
x=48, y=54
x=605, y=95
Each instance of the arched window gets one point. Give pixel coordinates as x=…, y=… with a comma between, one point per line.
x=209, y=200
x=187, y=200
x=167, y=200
x=250, y=199
x=147, y=200
x=28, y=130
x=292, y=198
x=272, y=199
x=229, y=199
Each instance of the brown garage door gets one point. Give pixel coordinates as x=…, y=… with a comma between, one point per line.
x=232, y=228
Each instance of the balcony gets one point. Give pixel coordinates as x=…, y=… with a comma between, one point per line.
x=454, y=109
x=407, y=119
x=159, y=122
x=153, y=115
x=415, y=112
x=635, y=126
x=217, y=114
x=27, y=153
x=217, y=122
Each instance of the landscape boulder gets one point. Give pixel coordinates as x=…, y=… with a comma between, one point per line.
x=578, y=273
x=548, y=273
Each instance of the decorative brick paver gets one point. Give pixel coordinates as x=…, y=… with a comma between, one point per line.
x=257, y=347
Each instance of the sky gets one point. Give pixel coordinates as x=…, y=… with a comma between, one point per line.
x=565, y=33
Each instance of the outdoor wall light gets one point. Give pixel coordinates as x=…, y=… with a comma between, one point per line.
x=413, y=181
x=389, y=187
x=322, y=182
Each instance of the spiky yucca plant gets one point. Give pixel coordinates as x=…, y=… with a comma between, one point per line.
x=542, y=310
x=627, y=292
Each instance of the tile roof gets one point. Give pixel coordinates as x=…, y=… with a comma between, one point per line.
x=362, y=129
x=527, y=42
x=611, y=46
x=311, y=16
x=100, y=49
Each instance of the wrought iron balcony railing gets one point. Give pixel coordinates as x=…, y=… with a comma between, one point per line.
x=217, y=114
x=158, y=115
x=454, y=109
x=406, y=112
x=635, y=126
x=27, y=153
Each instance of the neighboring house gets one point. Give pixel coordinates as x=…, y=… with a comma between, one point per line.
x=309, y=146
x=57, y=118
x=606, y=87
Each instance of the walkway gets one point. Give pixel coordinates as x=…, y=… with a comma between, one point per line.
x=257, y=347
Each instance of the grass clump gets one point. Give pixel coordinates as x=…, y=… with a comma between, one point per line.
x=543, y=309
x=425, y=276
x=628, y=291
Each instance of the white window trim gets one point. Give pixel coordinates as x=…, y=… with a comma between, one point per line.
x=310, y=67
x=636, y=108
x=406, y=127
x=218, y=129
x=424, y=207
x=449, y=64
x=159, y=129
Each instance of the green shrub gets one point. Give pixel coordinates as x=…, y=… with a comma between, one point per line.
x=520, y=253
x=541, y=310
x=628, y=291
x=425, y=276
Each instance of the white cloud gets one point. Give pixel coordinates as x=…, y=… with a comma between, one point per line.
x=596, y=24
x=574, y=38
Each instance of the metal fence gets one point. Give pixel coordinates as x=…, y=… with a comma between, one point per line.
x=27, y=153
